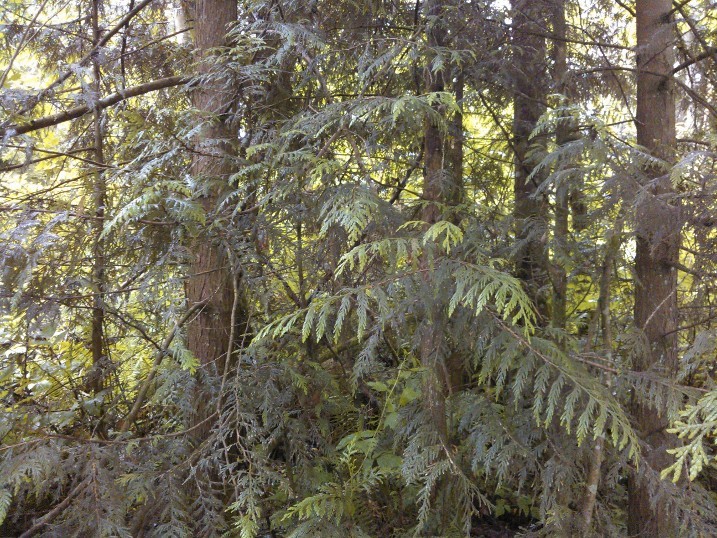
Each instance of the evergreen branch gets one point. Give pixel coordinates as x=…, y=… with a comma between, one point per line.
x=54, y=155
x=112, y=442
x=77, y=215
x=79, y=111
x=23, y=40
x=622, y=432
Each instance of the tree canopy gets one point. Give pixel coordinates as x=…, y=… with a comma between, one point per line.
x=358, y=268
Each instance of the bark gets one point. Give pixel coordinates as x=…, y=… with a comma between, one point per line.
x=442, y=188
x=454, y=142
x=563, y=135
x=529, y=103
x=567, y=197
x=99, y=196
x=443, y=152
x=211, y=280
x=658, y=239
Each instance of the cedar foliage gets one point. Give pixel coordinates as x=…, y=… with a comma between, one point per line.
x=318, y=424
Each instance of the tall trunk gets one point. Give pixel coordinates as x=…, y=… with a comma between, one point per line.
x=443, y=151
x=210, y=281
x=658, y=238
x=570, y=198
x=530, y=89
x=213, y=280
x=442, y=186
x=99, y=195
x=454, y=141
x=456, y=374
x=564, y=133
x=602, y=316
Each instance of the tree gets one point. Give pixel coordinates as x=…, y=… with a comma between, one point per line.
x=442, y=190
x=214, y=278
x=657, y=253
x=529, y=104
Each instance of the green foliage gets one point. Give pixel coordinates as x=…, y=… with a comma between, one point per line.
x=697, y=426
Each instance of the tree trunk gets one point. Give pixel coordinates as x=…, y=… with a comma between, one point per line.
x=210, y=281
x=443, y=151
x=565, y=133
x=658, y=239
x=529, y=103
x=442, y=186
x=99, y=195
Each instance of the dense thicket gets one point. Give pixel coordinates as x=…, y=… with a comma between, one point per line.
x=358, y=268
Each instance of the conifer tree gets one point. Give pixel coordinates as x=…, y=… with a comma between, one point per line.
x=658, y=224
x=530, y=87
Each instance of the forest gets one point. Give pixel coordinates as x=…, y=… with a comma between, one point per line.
x=358, y=268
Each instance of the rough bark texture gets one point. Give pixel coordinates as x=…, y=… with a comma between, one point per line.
x=658, y=237
x=530, y=89
x=210, y=281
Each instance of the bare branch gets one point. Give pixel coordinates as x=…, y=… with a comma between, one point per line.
x=105, y=102
x=710, y=52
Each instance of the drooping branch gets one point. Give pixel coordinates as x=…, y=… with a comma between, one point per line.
x=79, y=111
